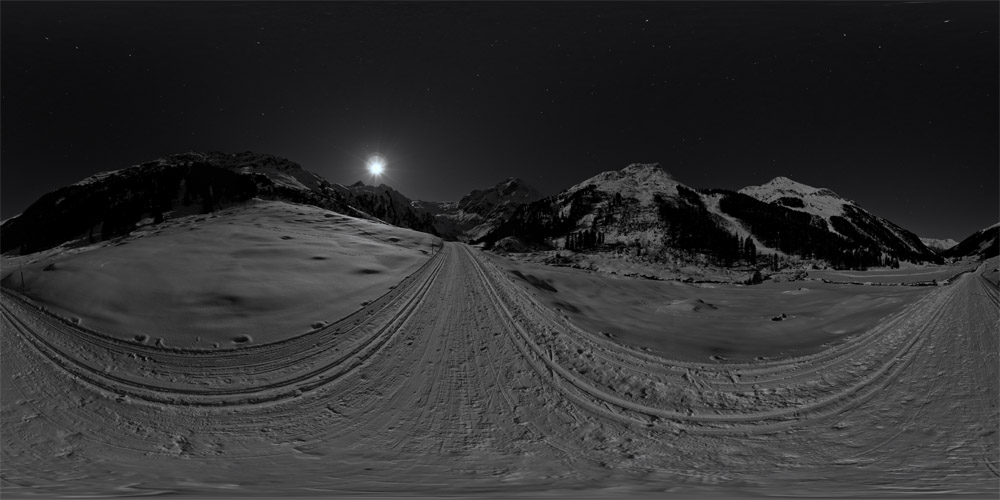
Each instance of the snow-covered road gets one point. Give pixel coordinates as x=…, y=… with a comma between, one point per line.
x=458, y=381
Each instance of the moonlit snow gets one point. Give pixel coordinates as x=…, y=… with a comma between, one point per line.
x=267, y=271
x=276, y=349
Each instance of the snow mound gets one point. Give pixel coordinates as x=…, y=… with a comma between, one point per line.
x=268, y=270
x=687, y=305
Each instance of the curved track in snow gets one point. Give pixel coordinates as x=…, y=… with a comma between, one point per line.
x=457, y=380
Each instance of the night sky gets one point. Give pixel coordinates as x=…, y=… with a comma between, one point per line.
x=893, y=105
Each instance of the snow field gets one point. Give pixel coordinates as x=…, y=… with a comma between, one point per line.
x=712, y=322
x=255, y=274
x=462, y=381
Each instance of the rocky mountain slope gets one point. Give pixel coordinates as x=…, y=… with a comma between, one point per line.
x=842, y=217
x=480, y=211
x=111, y=204
x=982, y=244
x=386, y=205
x=642, y=210
x=938, y=245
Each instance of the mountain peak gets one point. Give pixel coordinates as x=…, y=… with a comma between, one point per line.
x=937, y=244
x=509, y=182
x=644, y=168
x=638, y=180
x=789, y=183
x=781, y=187
x=784, y=181
x=481, y=210
x=511, y=190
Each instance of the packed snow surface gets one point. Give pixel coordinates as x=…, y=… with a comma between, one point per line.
x=462, y=379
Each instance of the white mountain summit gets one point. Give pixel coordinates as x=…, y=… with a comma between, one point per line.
x=840, y=215
x=938, y=245
x=638, y=180
x=782, y=190
x=643, y=207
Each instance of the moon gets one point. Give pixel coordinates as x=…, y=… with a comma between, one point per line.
x=376, y=165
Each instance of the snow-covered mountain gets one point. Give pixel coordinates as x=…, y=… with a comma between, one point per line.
x=480, y=211
x=643, y=209
x=842, y=217
x=110, y=204
x=982, y=244
x=938, y=245
x=624, y=205
x=641, y=181
x=384, y=204
x=639, y=209
x=786, y=192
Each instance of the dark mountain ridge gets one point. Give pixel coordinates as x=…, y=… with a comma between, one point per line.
x=640, y=210
x=982, y=244
x=111, y=204
x=480, y=211
x=644, y=211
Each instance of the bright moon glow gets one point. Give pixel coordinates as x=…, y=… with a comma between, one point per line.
x=376, y=165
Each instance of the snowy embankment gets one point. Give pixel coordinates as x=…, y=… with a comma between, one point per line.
x=257, y=273
x=908, y=275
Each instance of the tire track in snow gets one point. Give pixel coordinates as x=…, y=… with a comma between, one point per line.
x=740, y=421
x=292, y=386
x=472, y=384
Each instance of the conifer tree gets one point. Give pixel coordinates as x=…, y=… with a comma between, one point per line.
x=750, y=251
